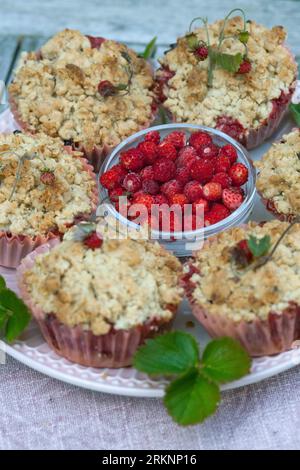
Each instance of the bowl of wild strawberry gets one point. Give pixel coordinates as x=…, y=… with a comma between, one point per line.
x=185, y=182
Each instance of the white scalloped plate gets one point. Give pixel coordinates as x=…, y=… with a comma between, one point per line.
x=32, y=350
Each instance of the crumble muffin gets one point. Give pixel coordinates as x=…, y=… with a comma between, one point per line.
x=97, y=300
x=279, y=177
x=247, y=105
x=44, y=188
x=89, y=91
x=259, y=307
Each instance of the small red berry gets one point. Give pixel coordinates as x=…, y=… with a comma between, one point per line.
x=239, y=174
x=176, y=138
x=186, y=157
x=93, y=241
x=147, y=173
x=232, y=198
x=244, y=248
x=212, y=191
x=201, y=52
x=167, y=150
x=245, y=67
x=145, y=199
x=201, y=202
x=202, y=171
x=217, y=213
x=164, y=170
x=116, y=193
x=230, y=152
x=150, y=187
x=199, y=138
x=96, y=42
x=132, y=159
x=152, y=136
x=171, y=187
x=183, y=175
x=113, y=177
x=179, y=199
x=132, y=182
x=149, y=151
x=222, y=178
x=160, y=199
x=47, y=178
x=106, y=88
x=222, y=164
x=193, y=191
x=208, y=151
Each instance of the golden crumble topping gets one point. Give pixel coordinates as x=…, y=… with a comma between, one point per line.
x=247, y=97
x=122, y=284
x=255, y=293
x=279, y=174
x=36, y=208
x=57, y=93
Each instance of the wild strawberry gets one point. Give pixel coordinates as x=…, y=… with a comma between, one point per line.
x=208, y=151
x=147, y=173
x=145, y=199
x=231, y=198
x=171, y=187
x=230, y=152
x=179, y=199
x=183, y=175
x=186, y=157
x=113, y=177
x=193, y=191
x=212, y=191
x=199, y=138
x=149, y=151
x=116, y=193
x=47, y=178
x=203, y=203
x=167, y=150
x=239, y=174
x=132, y=182
x=243, y=247
x=223, y=179
x=106, y=88
x=217, y=213
x=96, y=42
x=132, y=159
x=222, y=164
x=245, y=67
x=176, y=138
x=150, y=187
x=193, y=222
x=202, y=171
x=201, y=52
x=93, y=241
x=160, y=199
x=152, y=136
x=164, y=170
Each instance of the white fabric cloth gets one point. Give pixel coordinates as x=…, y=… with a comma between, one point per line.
x=38, y=412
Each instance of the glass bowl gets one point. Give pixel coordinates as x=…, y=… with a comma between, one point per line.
x=184, y=243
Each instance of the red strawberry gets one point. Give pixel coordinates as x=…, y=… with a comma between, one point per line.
x=193, y=222
x=151, y=187
x=212, y=191
x=132, y=182
x=171, y=187
x=245, y=67
x=183, y=175
x=217, y=213
x=239, y=174
x=186, y=157
x=106, y=88
x=199, y=138
x=160, y=199
x=47, y=178
x=145, y=199
x=116, y=193
x=232, y=199
x=222, y=178
x=93, y=241
x=179, y=199
x=230, y=152
x=201, y=52
x=96, y=42
x=132, y=159
x=164, y=170
x=244, y=248
x=202, y=171
x=149, y=151
x=152, y=136
x=113, y=177
x=222, y=164
x=208, y=151
x=201, y=202
x=176, y=138
x=147, y=173
x=193, y=190
x=167, y=150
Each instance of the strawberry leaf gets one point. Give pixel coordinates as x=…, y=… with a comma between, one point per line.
x=191, y=398
x=295, y=110
x=2, y=283
x=229, y=62
x=150, y=50
x=14, y=314
x=224, y=360
x=259, y=246
x=244, y=36
x=171, y=353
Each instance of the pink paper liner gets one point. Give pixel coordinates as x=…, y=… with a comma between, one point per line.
x=267, y=337
x=15, y=247
x=114, y=349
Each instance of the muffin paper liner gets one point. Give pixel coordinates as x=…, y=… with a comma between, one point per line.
x=274, y=335
x=114, y=349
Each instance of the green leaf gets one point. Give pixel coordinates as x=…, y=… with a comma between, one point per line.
x=192, y=41
x=259, y=246
x=163, y=115
x=18, y=314
x=228, y=62
x=295, y=110
x=224, y=360
x=171, y=353
x=122, y=86
x=244, y=36
x=191, y=398
x=2, y=283
x=150, y=50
